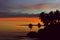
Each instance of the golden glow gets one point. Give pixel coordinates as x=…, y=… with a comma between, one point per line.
x=12, y=24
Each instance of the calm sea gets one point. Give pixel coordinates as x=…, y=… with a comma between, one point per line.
x=10, y=28
x=20, y=38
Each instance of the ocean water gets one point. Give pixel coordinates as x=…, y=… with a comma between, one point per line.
x=21, y=38
x=10, y=26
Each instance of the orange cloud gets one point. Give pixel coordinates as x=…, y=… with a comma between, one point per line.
x=23, y=19
x=38, y=6
x=13, y=24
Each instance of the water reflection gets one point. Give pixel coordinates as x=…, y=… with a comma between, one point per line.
x=28, y=38
x=21, y=38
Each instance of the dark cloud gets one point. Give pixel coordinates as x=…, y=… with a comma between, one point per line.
x=12, y=5
x=3, y=4
x=6, y=15
x=19, y=3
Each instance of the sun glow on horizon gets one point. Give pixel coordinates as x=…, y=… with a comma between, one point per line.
x=15, y=22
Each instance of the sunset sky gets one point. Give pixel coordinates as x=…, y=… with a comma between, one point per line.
x=10, y=9
x=12, y=25
x=29, y=6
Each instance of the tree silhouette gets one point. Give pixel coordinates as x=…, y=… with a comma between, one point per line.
x=50, y=17
x=51, y=22
x=52, y=29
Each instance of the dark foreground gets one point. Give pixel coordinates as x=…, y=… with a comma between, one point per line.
x=21, y=38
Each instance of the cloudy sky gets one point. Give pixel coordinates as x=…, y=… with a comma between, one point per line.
x=28, y=6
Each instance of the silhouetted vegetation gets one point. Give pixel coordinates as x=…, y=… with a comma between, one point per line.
x=51, y=22
x=50, y=17
x=31, y=25
x=32, y=34
x=52, y=26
